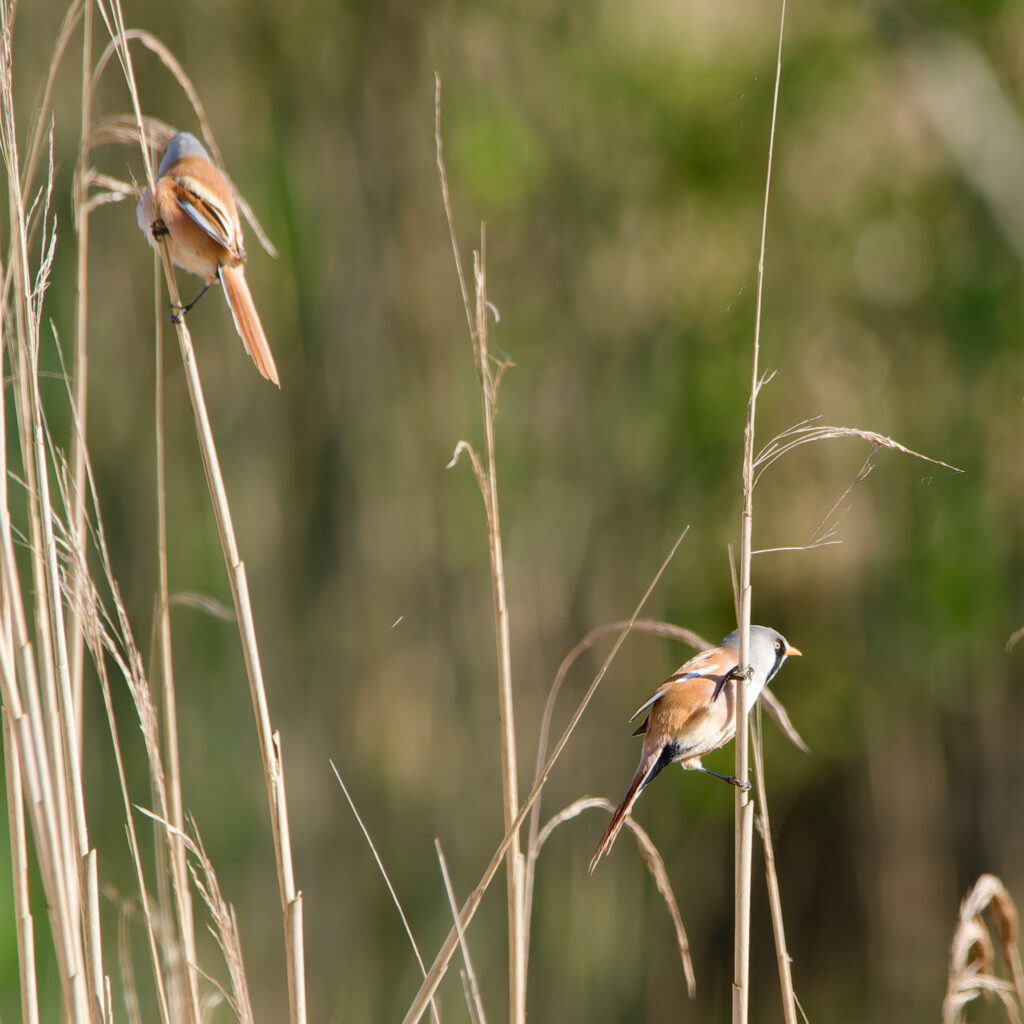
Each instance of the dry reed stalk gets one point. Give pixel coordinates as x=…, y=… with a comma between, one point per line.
x=47, y=748
x=972, y=954
x=80, y=209
x=764, y=828
x=469, y=908
x=121, y=649
x=125, y=965
x=19, y=869
x=175, y=811
x=387, y=882
x=272, y=769
x=23, y=920
x=744, y=807
x=66, y=740
x=489, y=377
x=108, y=635
x=473, y=1000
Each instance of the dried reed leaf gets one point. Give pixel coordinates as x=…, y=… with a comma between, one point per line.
x=205, y=604
x=655, y=864
x=774, y=707
x=806, y=432
x=470, y=986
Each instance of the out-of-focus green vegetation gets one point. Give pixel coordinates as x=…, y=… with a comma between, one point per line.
x=617, y=153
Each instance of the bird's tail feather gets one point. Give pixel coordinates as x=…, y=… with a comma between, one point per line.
x=649, y=767
x=247, y=321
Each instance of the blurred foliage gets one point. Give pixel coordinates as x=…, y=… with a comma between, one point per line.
x=617, y=153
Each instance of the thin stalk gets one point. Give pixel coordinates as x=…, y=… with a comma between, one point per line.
x=290, y=898
x=487, y=479
x=254, y=669
x=39, y=689
x=506, y=710
x=19, y=869
x=64, y=742
x=175, y=837
x=764, y=827
x=23, y=923
x=744, y=808
x=387, y=882
x=133, y=845
x=52, y=769
x=76, y=640
x=473, y=1000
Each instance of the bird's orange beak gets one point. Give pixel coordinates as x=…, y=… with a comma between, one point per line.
x=792, y=652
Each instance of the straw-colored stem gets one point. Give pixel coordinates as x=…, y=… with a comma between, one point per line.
x=133, y=844
x=506, y=709
x=64, y=827
x=97, y=979
x=76, y=640
x=744, y=807
x=174, y=837
x=239, y=593
x=19, y=869
x=65, y=741
x=254, y=671
x=294, y=940
x=387, y=881
x=39, y=690
x=473, y=1000
x=487, y=479
x=774, y=895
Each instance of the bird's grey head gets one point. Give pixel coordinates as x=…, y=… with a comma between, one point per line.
x=183, y=144
x=768, y=650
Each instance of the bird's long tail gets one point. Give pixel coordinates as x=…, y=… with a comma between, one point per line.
x=650, y=765
x=247, y=321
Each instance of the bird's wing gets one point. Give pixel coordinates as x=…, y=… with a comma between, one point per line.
x=658, y=694
x=715, y=662
x=715, y=665
x=203, y=208
x=708, y=671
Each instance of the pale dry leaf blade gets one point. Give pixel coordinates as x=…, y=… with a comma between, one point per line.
x=655, y=865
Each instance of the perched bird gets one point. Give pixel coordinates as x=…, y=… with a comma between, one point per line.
x=686, y=719
x=194, y=211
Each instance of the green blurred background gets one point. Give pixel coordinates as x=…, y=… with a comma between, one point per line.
x=617, y=153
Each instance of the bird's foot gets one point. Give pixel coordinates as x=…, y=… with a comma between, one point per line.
x=731, y=779
x=178, y=311
x=159, y=228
